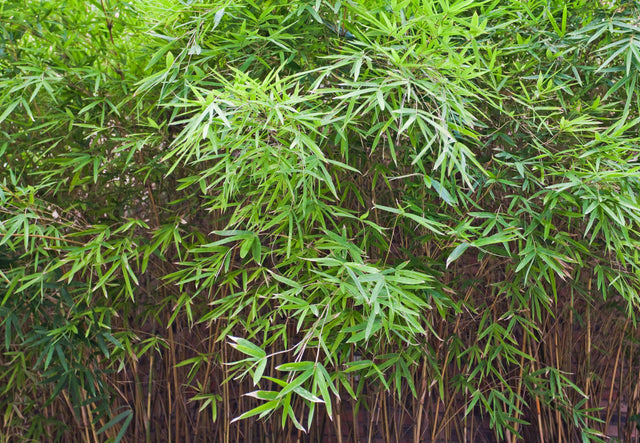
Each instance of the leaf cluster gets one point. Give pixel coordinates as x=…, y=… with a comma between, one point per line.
x=381, y=203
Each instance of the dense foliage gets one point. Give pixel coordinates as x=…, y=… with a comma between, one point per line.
x=420, y=216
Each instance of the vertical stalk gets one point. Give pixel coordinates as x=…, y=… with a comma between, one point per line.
x=558, y=365
x=519, y=388
x=225, y=396
x=149, y=391
x=339, y=421
x=417, y=429
x=588, y=362
x=385, y=417
x=372, y=412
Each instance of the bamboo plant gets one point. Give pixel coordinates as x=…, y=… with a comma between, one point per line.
x=304, y=221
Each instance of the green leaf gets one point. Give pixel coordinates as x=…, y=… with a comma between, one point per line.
x=257, y=375
x=264, y=408
x=246, y=347
x=169, y=60
x=124, y=417
x=457, y=252
x=8, y=110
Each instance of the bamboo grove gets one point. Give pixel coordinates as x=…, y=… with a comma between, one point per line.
x=319, y=221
